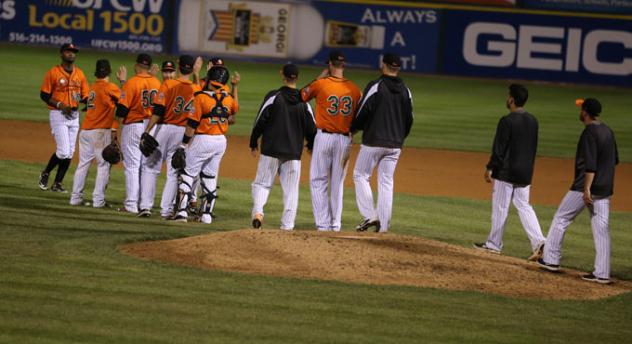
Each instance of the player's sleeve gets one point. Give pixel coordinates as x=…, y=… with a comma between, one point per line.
x=501, y=144
x=122, y=108
x=85, y=87
x=310, y=126
x=195, y=115
x=589, y=145
x=408, y=112
x=367, y=105
x=46, y=91
x=262, y=118
x=308, y=92
x=159, y=101
x=114, y=92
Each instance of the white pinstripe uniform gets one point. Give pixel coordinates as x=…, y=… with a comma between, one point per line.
x=91, y=144
x=571, y=206
x=132, y=160
x=64, y=130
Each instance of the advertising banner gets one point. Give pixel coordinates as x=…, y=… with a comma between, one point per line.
x=306, y=32
x=124, y=25
x=599, y=6
x=538, y=47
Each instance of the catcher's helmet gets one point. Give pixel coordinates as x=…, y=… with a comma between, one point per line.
x=218, y=74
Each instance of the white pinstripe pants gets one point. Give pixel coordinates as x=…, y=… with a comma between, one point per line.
x=91, y=144
x=133, y=160
x=328, y=174
x=571, y=206
x=503, y=194
x=289, y=174
x=386, y=161
x=64, y=130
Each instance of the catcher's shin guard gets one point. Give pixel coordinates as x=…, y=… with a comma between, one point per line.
x=208, y=197
x=184, y=194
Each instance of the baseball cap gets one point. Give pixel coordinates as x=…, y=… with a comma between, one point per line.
x=336, y=56
x=186, y=63
x=168, y=66
x=591, y=105
x=144, y=60
x=290, y=71
x=68, y=46
x=217, y=61
x=103, y=67
x=392, y=60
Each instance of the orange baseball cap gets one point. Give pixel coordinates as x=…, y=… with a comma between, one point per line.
x=579, y=102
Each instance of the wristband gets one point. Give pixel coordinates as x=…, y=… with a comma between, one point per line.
x=186, y=139
x=57, y=105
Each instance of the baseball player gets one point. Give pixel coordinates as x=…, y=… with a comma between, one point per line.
x=95, y=134
x=133, y=112
x=168, y=70
x=592, y=188
x=201, y=154
x=172, y=105
x=63, y=88
x=385, y=116
x=285, y=121
x=336, y=102
x=511, y=168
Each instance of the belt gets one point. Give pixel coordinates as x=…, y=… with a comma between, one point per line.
x=330, y=132
x=141, y=121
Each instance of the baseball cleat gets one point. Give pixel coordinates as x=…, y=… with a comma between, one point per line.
x=57, y=187
x=592, y=278
x=257, y=221
x=144, y=213
x=483, y=247
x=180, y=218
x=367, y=223
x=537, y=253
x=43, y=181
x=547, y=266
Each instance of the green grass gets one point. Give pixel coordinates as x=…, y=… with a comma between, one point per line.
x=63, y=280
x=450, y=113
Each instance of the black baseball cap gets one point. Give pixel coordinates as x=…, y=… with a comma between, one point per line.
x=144, y=60
x=591, y=105
x=336, y=56
x=392, y=60
x=68, y=46
x=217, y=61
x=186, y=63
x=168, y=66
x=290, y=71
x=103, y=67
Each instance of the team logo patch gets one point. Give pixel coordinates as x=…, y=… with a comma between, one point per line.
x=63, y=81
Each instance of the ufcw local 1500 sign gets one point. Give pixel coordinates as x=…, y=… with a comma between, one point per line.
x=107, y=24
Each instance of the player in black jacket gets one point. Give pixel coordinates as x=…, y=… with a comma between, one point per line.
x=285, y=121
x=385, y=116
x=511, y=169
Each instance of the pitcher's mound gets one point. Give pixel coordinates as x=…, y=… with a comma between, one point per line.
x=373, y=259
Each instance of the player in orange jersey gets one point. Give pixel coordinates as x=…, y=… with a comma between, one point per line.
x=95, y=134
x=64, y=87
x=336, y=103
x=209, y=122
x=172, y=105
x=133, y=112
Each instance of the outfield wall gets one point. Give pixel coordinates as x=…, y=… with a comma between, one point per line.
x=498, y=42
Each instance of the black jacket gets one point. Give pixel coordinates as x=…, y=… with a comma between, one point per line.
x=596, y=152
x=285, y=121
x=386, y=113
x=515, y=145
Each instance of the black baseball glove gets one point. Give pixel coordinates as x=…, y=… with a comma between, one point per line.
x=148, y=144
x=179, y=159
x=112, y=153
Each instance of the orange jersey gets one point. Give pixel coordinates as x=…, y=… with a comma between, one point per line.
x=225, y=88
x=203, y=104
x=336, y=102
x=138, y=95
x=69, y=89
x=101, y=106
x=177, y=98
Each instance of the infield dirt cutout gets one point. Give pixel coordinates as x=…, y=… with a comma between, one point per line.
x=383, y=259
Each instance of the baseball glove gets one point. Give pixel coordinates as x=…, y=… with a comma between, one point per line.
x=179, y=159
x=148, y=144
x=112, y=153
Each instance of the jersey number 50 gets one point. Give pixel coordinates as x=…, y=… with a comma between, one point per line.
x=147, y=98
x=343, y=104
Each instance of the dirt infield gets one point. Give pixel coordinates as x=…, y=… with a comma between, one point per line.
x=372, y=259
x=419, y=171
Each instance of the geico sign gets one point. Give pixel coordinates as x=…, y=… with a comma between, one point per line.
x=520, y=47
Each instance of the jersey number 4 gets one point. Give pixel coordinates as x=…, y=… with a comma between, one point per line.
x=343, y=104
x=182, y=105
x=147, y=98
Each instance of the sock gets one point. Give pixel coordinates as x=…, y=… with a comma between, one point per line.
x=61, y=171
x=52, y=163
